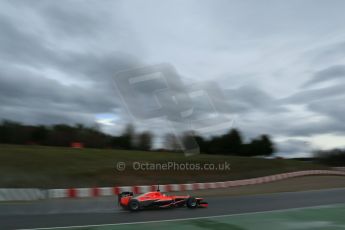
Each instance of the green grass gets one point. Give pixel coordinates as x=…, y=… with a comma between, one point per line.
x=56, y=167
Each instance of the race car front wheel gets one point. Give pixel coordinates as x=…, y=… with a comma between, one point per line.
x=134, y=205
x=192, y=202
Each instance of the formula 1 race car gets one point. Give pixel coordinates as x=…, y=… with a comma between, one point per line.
x=157, y=200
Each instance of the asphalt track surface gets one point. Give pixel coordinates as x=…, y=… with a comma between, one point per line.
x=81, y=212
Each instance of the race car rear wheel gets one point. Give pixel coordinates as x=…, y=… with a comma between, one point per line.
x=134, y=205
x=192, y=202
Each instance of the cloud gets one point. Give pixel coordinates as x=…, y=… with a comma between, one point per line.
x=324, y=85
x=308, y=96
x=46, y=73
x=18, y=46
x=22, y=90
x=321, y=97
x=332, y=108
x=336, y=72
x=279, y=69
x=251, y=98
x=329, y=53
x=294, y=148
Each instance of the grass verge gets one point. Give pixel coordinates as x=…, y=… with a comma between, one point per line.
x=56, y=167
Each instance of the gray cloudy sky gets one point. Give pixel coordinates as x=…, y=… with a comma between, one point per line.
x=281, y=64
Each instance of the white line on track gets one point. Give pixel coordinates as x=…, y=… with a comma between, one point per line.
x=184, y=219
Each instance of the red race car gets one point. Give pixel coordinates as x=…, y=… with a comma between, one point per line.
x=157, y=200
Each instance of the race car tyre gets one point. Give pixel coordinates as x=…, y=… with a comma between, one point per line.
x=134, y=205
x=192, y=202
